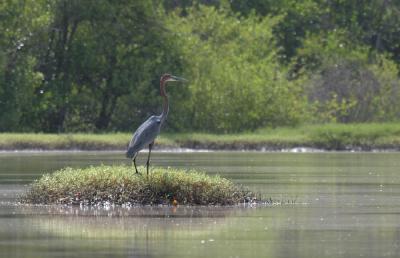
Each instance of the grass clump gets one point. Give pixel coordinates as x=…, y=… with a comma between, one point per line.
x=120, y=185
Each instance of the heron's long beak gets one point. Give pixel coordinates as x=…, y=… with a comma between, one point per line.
x=176, y=78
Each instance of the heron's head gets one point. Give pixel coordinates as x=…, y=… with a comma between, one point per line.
x=170, y=78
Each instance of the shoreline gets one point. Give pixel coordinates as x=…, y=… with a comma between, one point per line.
x=370, y=137
x=163, y=149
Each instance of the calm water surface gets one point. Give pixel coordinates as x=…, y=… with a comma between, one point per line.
x=346, y=205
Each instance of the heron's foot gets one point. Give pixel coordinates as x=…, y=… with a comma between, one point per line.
x=147, y=168
x=134, y=166
x=137, y=171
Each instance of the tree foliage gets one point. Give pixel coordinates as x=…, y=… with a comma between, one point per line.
x=348, y=82
x=236, y=80
x=70, y=65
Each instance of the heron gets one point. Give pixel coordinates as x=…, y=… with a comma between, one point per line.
x=150, y=129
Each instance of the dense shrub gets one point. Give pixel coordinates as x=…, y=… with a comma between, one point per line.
x=236, y=81
x=347, y=82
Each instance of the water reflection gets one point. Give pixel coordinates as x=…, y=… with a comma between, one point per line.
x=266, y=232
x=347, y=205
x=145, y=231
x=159, y=211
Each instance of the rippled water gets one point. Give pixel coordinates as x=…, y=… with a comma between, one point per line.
x=346, y=205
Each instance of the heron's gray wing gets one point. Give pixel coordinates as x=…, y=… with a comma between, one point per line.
x=144, y=135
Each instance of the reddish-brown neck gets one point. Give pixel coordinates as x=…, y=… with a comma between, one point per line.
x=163, y=81
x=164, y=95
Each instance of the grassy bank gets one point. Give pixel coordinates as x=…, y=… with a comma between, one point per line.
x=79, y=141
x=329, y=136
x=120, y=185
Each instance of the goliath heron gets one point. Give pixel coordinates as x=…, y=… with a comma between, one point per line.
x=149, y=130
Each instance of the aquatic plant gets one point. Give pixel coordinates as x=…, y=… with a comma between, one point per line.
x=105, y=185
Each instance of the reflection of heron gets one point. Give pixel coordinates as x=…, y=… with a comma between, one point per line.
x=148, y=131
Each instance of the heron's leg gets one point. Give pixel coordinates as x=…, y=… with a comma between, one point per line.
x=148, y=158
x=134, y=163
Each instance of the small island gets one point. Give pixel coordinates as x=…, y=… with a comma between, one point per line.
x=119, y=185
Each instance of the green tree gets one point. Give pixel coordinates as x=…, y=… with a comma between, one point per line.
x=102, y=57
x=348, y=82
x=236, y=81
x=372, y=23
x=21, y=24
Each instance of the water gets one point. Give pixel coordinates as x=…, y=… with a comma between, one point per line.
x=346, y=205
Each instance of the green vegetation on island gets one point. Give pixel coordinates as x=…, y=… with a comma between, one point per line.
x=105, y=185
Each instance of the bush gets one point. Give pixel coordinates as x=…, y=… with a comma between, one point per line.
x=236, y=81
x=348, y=83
